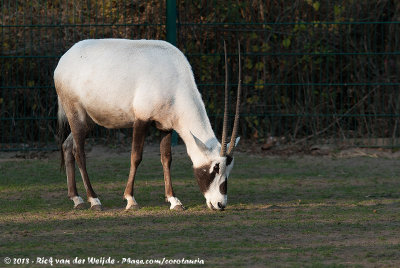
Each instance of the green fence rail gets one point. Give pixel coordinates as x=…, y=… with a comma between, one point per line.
x=313, y=71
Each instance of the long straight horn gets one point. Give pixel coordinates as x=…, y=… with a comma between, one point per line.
x=236, y=122
x=225, y=124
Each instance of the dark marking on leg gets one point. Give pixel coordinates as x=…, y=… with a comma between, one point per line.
x=80, y=123
x=138, y=138
x=80, y=158
x=166, y=159
x=79, y=131
x=69, y=158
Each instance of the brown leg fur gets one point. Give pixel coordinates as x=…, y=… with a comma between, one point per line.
x=138, y=138
x=80, y=157
x=69, y=158
x=166, y=159
x=79, y=130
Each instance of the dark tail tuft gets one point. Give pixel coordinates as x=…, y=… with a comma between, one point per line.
x=63, y=131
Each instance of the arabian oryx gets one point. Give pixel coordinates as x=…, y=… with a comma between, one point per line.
x=120, y=83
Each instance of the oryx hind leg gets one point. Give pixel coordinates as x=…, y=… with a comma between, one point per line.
x=166, y=159
x=69, y=159
x=80, y=124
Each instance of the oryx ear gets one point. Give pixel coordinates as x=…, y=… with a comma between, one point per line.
x=236, y=142
x=201, y=145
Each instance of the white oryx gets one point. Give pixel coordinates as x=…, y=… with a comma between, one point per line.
x=119, y=83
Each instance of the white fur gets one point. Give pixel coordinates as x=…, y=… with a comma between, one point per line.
x=236, y=142
x=118, y=81
x=213, y=195
x=94, y=201
x=174, y=202
x=77, y=200
x=228, y=169
x=130, y=201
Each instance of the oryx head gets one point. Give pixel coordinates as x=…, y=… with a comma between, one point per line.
x=213, y=176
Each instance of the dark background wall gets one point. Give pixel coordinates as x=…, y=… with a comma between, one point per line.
x=319, y=71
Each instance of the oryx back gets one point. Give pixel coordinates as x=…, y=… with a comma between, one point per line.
x=116, y=81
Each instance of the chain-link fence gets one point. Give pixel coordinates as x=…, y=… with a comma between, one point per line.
x=321, y=71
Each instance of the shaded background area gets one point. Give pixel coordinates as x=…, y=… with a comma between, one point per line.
x=313, y=71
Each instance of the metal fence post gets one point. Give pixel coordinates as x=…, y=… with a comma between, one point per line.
x=171, y=38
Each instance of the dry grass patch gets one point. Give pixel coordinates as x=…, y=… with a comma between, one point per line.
x=300, y=211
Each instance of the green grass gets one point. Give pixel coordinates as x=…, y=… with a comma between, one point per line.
x=297, y=211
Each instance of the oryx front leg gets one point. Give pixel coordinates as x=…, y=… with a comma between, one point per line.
x=166, y=159
x=139, y=133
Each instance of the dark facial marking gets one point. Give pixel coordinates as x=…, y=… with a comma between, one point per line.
x=228, y=160
x=204, y=177
x=223, y=187
x=216, y=168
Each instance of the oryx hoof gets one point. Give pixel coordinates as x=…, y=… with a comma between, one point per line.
x=133, y=207
x=178, y=208
x=80, y=206
x=78, y=202
x=131, y=203
x=96, y=208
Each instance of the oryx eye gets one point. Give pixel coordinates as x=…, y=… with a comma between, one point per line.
x=216, y=168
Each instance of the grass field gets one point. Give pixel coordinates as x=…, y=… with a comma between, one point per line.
x=282, y=211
